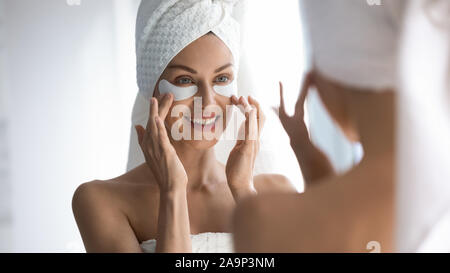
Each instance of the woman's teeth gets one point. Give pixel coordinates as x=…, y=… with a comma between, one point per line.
x=202, y=122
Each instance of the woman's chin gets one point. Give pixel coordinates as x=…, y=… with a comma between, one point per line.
x=202, y=144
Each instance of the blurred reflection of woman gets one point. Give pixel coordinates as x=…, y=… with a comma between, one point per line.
x=182, y=198
x=353, y=49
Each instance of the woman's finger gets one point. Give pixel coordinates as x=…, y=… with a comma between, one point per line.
x=153, y=112
x=277, y=112
x=164, y=105
x=147, y=149
x=243, y=101
x=140, y=131
x=255, y=103
x=259, y=113
x=299, y=105
x=251, y=126
x=234, y=100
x=282, y=110
x=144, y=138
x=144, y=147
x=245, y=109
x=261, y=119
x=152, y=129
x=242, y=104
x=164, y=141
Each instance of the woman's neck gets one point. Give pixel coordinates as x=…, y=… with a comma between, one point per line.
x=376, y=125
x=201, y=166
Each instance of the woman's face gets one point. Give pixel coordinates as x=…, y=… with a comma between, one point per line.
x=199, y=120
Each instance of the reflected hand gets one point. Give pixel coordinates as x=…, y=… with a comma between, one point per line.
x=295, y=125
x=313, y=162
x=159, y=153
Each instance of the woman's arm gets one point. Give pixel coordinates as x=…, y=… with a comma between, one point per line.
x=173, y=221
x=103, y=226
x=313, y=162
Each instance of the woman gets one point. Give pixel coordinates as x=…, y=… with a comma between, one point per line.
x=182, y=198
x=354, y=74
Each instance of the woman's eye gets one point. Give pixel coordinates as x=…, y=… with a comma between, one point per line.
x=184, y=81
x=222, y=79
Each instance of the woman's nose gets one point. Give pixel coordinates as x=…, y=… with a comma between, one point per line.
x=208, y=95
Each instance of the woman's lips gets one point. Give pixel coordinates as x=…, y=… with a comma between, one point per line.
x=205, y=123
x=212, y=115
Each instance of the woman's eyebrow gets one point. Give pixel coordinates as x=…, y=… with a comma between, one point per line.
x=223, y=67
x=179, y=66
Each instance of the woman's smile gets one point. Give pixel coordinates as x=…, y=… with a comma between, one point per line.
x=204, y=123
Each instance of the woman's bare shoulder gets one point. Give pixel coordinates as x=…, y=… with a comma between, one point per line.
x=120, y=191
x=269, y=183
x=96, y=191
x=121, y=202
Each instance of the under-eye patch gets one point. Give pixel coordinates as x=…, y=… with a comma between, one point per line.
x=179, y=93
x=182, y=93
x=226, y=90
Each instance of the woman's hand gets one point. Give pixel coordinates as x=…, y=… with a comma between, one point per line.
x=295, y=125
x=159, y=153
x=161, y=157
x=241, y=161
x=313, y=162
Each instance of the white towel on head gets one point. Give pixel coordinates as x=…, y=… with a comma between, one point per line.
x=353, y=42
x=164, y=28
